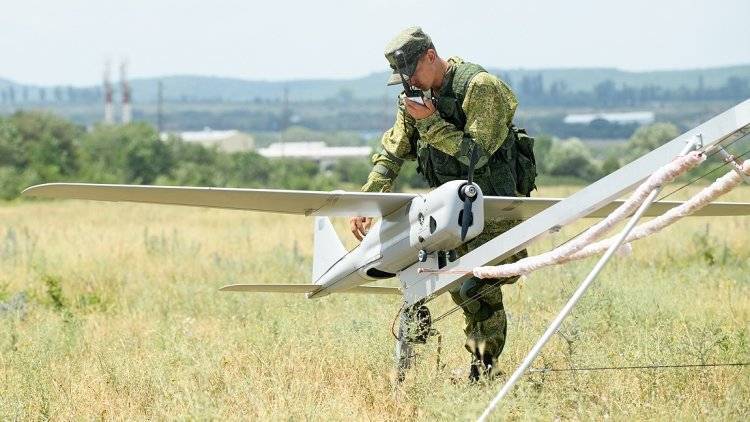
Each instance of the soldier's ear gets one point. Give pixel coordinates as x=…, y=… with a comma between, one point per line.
x=431, y=55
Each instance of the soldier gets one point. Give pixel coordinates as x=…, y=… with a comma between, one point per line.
x=464, y=107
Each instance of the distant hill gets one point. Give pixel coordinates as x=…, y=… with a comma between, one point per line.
x=207, y=88
x=4, y=83
x=373, y=85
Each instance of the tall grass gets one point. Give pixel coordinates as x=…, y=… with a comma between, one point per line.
x=121, y=319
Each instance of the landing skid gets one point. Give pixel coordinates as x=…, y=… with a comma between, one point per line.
x=415, y=326
x=415, y=322
x=404, y=349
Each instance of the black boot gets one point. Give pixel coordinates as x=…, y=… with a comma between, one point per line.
x=481, y=366
x=488, y=363
x=475, y=372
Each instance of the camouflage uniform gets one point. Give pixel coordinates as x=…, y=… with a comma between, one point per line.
x=441, y=143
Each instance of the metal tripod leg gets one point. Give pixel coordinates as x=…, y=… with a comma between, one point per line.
x=414, y=324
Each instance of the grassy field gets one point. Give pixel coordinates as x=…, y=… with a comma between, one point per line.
x=122, y=320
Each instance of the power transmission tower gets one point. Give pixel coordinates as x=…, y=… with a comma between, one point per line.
x=108, y=92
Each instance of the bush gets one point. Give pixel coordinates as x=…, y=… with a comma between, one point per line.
x=572, y=158
x=13, y=181
x=542, y=146
x=124, y=154
x=49, y=144
x=647, y=139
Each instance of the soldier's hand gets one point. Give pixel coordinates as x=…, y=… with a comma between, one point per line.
x=360, y=226
x=419, y=111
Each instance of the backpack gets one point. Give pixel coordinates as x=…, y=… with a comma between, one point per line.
x=525, y=163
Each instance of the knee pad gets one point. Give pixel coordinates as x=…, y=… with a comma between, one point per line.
x=469, y=289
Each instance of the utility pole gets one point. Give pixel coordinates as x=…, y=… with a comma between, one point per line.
x=284, y=117
x=127, y=111
x=283, y=126
x=160, y=106
x=286, y=112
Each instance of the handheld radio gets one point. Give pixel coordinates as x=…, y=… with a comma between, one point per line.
x=411, y=93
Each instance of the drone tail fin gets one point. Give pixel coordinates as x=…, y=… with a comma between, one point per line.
x=328, y=248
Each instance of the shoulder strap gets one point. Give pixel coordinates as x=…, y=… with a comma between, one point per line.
x=465, y=72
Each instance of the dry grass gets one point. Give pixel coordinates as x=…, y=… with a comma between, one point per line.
x=123, y=321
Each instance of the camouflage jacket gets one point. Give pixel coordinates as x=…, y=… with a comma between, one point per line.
x=489, y=106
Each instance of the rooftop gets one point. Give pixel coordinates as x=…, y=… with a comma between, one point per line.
x=640, y=117
x=312, y=150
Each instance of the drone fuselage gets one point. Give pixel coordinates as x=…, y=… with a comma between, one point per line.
x=429, y=223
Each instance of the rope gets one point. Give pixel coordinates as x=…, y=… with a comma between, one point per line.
x=524, y=266
x=713, y=152
x=707, y=154
x=707, y=195
x=660, y=177
x=720, y=187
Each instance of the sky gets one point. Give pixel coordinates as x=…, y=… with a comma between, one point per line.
x=68, y=42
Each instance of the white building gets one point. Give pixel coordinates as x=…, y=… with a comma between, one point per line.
x=317, y=151
x=639, y=117
x=225, y=140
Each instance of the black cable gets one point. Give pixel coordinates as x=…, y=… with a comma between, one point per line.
x=606, y=368
x=393, y=324
x=702, y=176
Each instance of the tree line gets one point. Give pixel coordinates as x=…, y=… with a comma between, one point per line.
x=12, y=95
x=532, y=92
x=39, y=147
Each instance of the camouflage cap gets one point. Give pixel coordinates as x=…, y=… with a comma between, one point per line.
x=412, y=42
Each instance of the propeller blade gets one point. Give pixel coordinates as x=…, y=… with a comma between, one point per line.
x=466, y=217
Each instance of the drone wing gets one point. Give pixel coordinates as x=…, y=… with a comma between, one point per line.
x=306, y=288
x=524, y=208
x=333, y=204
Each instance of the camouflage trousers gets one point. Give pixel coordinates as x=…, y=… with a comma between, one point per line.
x=482, y=301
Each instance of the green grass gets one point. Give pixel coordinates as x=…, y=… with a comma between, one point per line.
x=123, y=320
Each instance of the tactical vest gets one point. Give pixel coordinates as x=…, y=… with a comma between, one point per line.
x=511, y=170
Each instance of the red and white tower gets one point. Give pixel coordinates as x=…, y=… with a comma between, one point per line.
x=108, y=93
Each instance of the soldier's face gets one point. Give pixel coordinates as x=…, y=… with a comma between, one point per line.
x=424, y=74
